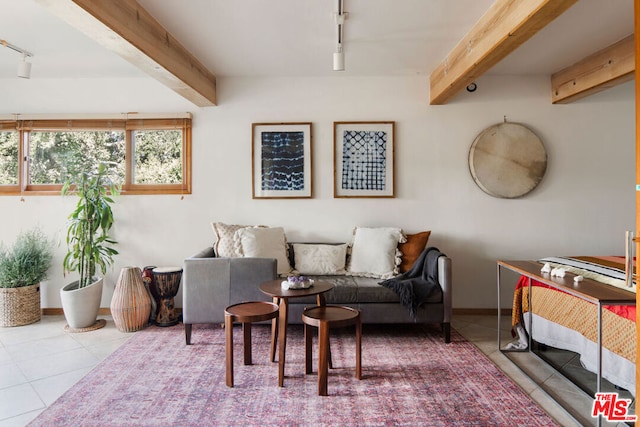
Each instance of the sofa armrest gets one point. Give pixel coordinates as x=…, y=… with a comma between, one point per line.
x=445, y=279
x=210, y=284
x=246, y=276
x=205, y=289
x=205, y=253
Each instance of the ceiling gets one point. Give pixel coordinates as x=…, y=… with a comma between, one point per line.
x=281, y=38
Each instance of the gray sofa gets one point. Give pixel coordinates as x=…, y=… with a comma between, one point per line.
x=210, y=284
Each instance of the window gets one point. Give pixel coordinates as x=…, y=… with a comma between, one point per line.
x=9, y=154
x=144, y=155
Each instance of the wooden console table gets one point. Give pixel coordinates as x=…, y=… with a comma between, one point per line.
x=589, y=290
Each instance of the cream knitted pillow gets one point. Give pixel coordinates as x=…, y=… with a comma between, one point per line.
x=263, y=242
x=374, y=252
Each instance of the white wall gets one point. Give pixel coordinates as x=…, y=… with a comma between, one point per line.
x=582, y=206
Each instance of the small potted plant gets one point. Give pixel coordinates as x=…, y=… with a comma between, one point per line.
x=89, y=246
x=22, y=267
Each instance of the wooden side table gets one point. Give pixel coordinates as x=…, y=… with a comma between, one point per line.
x=281, y=296
x=324, y=318
x=245, y=313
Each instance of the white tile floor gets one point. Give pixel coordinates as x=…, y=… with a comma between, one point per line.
x=39, y=362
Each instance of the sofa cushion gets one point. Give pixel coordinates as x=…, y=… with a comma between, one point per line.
x=369, y=291
x=345, y=291
x=264, y=242
x=412, y=249
x=357, y=290
x=374, y=252
x=318, y=259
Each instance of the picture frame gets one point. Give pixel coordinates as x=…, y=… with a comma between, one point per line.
x=363, y=158
x=281, y=160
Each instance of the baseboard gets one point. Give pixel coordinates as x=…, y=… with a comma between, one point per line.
x=481, y=311
x=104, y=311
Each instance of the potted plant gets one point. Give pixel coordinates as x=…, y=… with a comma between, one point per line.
x=89, y=246
x=22, y=268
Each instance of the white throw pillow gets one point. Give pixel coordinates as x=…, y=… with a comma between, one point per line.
x=374, y=252
x=319, y=258
x=264, y=243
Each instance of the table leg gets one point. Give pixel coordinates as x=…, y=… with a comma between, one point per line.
x=323, y=358
x=322, y=302
x=246, y=342
x=228, y=325
x=599, y=358
x=530, y=290
x=274, y=332
x=308, y=342
x=282, y=338
x=499, y=312
x=359, y=348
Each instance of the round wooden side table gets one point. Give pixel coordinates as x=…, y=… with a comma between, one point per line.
x=281, y=297
x=324, y=318
x=245, y=313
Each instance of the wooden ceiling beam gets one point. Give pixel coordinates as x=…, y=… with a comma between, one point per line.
x=127, y=29
x=602, y=70
x=503, y=28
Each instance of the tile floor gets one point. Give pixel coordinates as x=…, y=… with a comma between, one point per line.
x=39, y=362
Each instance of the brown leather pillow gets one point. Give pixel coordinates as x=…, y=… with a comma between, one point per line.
x=412, y=249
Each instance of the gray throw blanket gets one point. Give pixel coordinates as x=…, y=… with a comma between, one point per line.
x=418, y=284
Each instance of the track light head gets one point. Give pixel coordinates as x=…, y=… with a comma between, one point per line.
x=338, y=59
x=24, y=68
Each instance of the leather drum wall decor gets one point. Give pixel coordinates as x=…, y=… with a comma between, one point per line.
x=507, y=160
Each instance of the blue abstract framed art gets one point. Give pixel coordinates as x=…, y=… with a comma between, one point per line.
x=363, y=159
x=281, y=165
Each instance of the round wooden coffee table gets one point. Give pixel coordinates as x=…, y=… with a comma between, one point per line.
x=281, y=297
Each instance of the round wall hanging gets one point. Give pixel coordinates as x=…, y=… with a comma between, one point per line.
x=507, y=160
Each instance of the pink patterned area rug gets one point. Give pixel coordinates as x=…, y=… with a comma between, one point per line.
x=410, y=377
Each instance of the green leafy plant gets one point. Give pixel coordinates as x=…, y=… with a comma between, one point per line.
x=89, y=245
x=27, y=262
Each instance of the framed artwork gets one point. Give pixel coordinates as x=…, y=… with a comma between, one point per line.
x=363, y=156
x=281, y=165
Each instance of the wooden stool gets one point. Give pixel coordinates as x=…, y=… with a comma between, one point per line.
x=325, y=318
x=245, y=313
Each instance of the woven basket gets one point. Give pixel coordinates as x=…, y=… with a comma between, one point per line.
x=20, y=306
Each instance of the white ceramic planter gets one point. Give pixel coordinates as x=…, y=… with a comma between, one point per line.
x=81, y=305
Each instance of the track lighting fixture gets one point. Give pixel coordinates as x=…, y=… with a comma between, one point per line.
x=338, y=55
x=24, y=67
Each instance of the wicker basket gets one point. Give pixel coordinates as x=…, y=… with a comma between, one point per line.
x=20, y=306
x=131, y=303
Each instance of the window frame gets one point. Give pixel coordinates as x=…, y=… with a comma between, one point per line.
x=127, y=123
